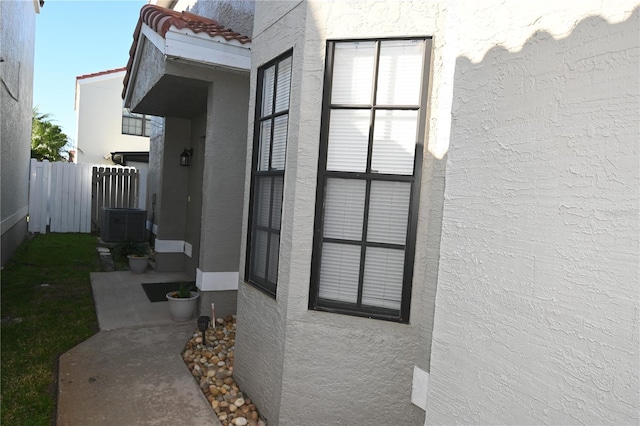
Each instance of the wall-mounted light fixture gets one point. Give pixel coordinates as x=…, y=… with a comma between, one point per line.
x=185, y=157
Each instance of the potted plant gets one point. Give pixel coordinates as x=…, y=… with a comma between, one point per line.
x=183, y=303
x=136, y=253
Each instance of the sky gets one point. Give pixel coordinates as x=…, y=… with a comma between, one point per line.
x=75, y=38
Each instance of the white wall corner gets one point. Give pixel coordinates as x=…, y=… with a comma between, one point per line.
x=419, y=388
x=169, y=246
x=188, y=249
x=216, y=281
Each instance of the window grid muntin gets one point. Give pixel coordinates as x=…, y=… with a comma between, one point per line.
x=131, y=121
x=315, y=302
x=263, y=283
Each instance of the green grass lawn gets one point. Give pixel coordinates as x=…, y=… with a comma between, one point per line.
x=47, y=308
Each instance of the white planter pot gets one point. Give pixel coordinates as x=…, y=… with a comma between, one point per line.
x=183, y=308
x=138, y=264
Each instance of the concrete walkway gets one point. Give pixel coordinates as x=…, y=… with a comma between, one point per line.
x=131, y=372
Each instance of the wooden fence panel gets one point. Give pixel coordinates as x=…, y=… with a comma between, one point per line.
x=113, y=187
x=85, y=204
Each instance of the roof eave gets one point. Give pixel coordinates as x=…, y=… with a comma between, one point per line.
x=202, y=48
x=133, y=73
x=185, y=45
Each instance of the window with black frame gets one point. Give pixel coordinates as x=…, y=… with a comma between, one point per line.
x=267, y=176
x=135, y=124
x=373, y=124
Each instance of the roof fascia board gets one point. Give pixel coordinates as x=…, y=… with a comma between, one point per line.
x=153, y=37
x=190, y=46
x=185, y=44
x=135, y=65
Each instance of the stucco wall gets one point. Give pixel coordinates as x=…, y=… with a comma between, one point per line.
x=336, y=369
x=536, y=316
x=531, y=246
x=234, y=14
x=194, y=190
x=148, y=74
x=261, y=323
x=154, y=178
x=99, y=115
x=17, y=40
x=171, y=205
x=223, y=197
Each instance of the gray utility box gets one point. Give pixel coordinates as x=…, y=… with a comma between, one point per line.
x=120, y=224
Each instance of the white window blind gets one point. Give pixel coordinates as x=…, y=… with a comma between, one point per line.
x=265, y=144
x=284, y=85
x=344, y=209
x=353, y=73
x=388, y=212
x=267, y=186
x=340, y=271
x=279, y=142
x=263, y=201
x=373, y=117
x=400, y=72
x=348, y=140
x=383, y=271
x=394, y=142
x=267, y=91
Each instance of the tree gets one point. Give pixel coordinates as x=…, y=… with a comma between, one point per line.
x=47, y=140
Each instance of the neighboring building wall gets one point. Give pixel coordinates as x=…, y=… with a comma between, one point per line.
x=99, y=116
x=537, y=307
x=17, y=41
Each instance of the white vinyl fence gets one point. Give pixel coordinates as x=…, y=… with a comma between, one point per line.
x=63, y=195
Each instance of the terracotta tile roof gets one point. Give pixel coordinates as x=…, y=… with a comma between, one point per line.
x=160, y=19
x=96, y=74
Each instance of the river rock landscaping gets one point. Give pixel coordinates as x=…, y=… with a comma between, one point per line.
x=211, y=364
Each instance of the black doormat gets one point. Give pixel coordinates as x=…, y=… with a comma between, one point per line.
x=157, y=292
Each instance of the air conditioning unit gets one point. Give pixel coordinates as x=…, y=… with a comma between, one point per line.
x=120, y=224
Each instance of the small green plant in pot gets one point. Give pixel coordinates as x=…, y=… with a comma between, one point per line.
x=136, y=253
x=183, y=302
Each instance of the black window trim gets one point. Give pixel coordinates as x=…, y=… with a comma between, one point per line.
x=315, y=302
x=143, y=117
x=263, y=286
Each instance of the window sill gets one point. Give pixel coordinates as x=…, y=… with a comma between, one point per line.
x=267, y=291
x=384, y=315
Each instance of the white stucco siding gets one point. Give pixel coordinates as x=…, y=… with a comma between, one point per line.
x=17, y=40
x=99, y=112
x=234, y=14
x=536, y=308
x=536, y=317
x=329, y=358
x=261, y=327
